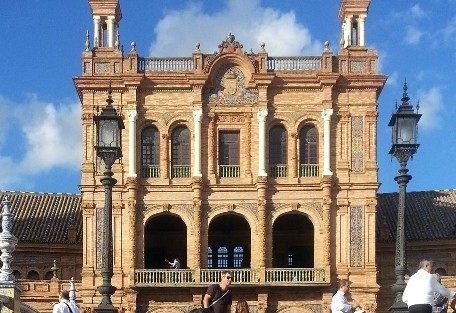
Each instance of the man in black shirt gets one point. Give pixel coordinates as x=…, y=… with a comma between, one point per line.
x=218, y=297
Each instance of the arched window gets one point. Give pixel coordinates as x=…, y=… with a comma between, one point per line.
x=209, y=257
x=49, y=275
x=308, y=151
x=17, y=274
x=278, y=152
x=222, y=257
x=33, y=275
x=180, y=153
x=238, y=256
x=150, y=152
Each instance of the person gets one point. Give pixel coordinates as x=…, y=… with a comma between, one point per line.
x=64, y=305
x=218, y=297
x=339, y=302
x=421, y=287
x=440, y=302
x=242, y=306
x=174, y=265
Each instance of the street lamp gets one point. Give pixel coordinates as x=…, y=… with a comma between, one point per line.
x=109, y=126
x=404, y=145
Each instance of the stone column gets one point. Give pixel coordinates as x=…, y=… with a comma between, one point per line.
x=326, y=114
x=361, y=23
x=97, y=31
x=197, y=117
x=294, y=156
x=261, y=115
x=132, y=116
x=111, y=31
x=262, y=227
x=195, y=254
x=347, y=31
x=211, y=144
x=326, y=184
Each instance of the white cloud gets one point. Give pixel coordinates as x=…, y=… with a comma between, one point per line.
x=431, y=107
x=392, y=79
x=38, y=136
x=178, y=31
x=416, y=11
x=413, y=35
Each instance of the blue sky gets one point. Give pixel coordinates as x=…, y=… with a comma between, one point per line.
x=42, y=42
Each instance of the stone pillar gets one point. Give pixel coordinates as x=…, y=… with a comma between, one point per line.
x=248, y=147
x=361, y=24
x=211, y=144
x=195, y=239
x=132, y=187
x=132, y=116
x=97, y=33
x=261, y=115
x=111, y=31
x=326, y=114
x=347, y=31
x=164, y=168
x=197, y=117
x=294, y=156
x=326, y=186
x=262, y=243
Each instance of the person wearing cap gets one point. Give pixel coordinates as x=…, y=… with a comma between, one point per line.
x=339, y=302
x=421, y=288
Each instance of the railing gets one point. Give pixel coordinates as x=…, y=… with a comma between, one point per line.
x=163, y=277
x=294, y=63
x=166, y=64
x=294, y=275
x=279, y=170
x=150, y=171
x=308, y=170
x=272, y=276
x=229, y=171
x=180, y=171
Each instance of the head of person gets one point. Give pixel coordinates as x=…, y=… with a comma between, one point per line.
x=64, y=295
x=344, y=285
x=427, y=265
x=176, y=259
x=242, y=306
x=227, y=278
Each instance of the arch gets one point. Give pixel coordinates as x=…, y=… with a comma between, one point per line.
x=241, y=210
x=165, y=237
x=17, y=274
x=48, y=275
x=180, y=211
x=441, y=271
x=230, y=60
x=309, y=210
x=293, y=237
x=33, y=275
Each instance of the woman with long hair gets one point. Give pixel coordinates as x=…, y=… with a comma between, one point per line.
x=242, y=306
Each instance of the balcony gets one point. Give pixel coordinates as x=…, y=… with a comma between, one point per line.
x=278, y=170
x=270, y=277
x=229, y=171
x=150, y=171
x=309, y=170
x=180, y=171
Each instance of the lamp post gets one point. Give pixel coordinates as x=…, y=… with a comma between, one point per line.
x=109, y=126
x=404, y=145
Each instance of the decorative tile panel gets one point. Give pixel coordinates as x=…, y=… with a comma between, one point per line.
x=356, y=236
x=357, y=153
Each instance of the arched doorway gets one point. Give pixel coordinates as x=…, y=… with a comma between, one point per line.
x=229, y=242
x=293, y=242
x=165, y=237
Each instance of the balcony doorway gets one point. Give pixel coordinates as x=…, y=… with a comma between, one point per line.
x=229, y=242
x=165, y=238
x=293, y=242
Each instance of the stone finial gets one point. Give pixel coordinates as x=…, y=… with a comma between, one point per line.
x=197, y=47
x=133, y=47
x=72, y=290
x=262, y=45
x=87, y=42
x=7, y=242
x=54, y=270
x=327, y=46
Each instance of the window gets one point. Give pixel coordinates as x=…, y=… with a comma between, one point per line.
x=150, y=153
x=238, y=256
x=229, y=154
x=308, y=151
x=278, y=152
x=222, y=257
x=209, y=257
x=33, y=275
x=180, y=153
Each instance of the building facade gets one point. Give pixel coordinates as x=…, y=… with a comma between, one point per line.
x=264, y=165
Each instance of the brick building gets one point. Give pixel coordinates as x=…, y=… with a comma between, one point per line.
x=265, y=165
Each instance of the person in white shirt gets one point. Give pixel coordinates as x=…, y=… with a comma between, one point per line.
x=421, y=287
x=175, y=264
x=64, y=305
x=339, y=302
